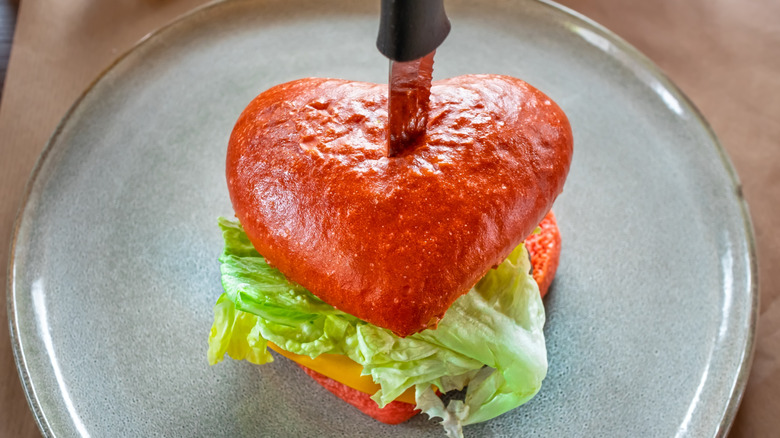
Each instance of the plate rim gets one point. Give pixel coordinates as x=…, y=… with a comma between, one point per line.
x=737, y=390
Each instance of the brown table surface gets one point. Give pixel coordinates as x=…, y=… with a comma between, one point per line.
x=725, y=56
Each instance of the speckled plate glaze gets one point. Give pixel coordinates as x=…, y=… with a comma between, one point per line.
x=114, y=271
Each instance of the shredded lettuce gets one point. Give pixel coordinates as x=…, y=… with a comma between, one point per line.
x=490, y=340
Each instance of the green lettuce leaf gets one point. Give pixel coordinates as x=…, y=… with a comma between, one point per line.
x=490, y=340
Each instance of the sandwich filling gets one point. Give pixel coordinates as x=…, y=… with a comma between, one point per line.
x=490, y=341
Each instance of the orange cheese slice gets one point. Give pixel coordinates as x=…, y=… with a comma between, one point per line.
x=341, y=369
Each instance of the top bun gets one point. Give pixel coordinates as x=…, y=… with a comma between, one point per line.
x=394, y=241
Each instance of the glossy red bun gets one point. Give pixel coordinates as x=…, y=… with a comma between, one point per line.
x=394, y=241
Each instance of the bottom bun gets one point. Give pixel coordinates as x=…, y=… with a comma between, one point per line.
x=395, y=412
x=544, y=248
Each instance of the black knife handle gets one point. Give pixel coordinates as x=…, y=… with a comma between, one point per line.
x=411, y=29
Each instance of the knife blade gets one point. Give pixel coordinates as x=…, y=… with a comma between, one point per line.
x=408, y=102
x=409, y=33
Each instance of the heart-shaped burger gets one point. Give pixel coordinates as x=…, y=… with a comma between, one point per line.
x=395, y=241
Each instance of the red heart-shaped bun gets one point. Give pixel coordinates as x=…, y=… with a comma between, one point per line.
x=394, y=241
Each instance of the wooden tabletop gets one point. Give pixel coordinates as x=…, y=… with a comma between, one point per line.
x=724, y=55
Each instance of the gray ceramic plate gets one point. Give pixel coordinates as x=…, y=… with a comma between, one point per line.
x=114, y=271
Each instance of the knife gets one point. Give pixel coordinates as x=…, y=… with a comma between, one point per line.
x=409, y=33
